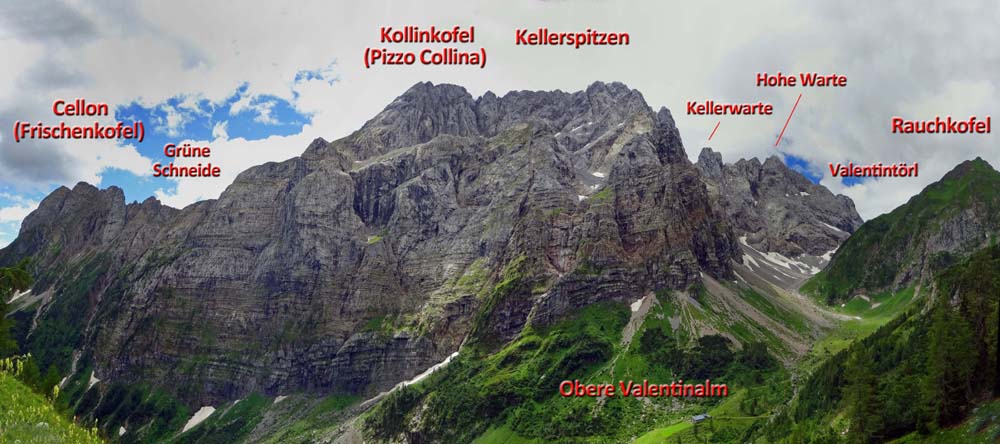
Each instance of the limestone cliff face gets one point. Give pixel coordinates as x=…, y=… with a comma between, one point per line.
x=370, y=258
x=778, y=209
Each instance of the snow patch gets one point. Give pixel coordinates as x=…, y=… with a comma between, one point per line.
x=790, y=264
x=833, y=227
x=93, y=380
x=558, y=134
x=19, y=296
x=739, y=277
x=576, y=129
x=747, y=260
x=781, y=261
x=778, y=259
x=828, y=255
x=279, y=399
x=598, y=174
x=581, y=197
x=803, y=193
x=428, y=372
x=415, y=380
x=199, y=416
x=121, y=430
x=636, y=305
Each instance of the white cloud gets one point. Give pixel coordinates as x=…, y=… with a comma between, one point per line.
x=16, y=212
x=232, y=156
x=190, y=105
x=14, y=197
x=173, y=122
x=263, y=109
x=235, y=155
x=240, y=105
x=895, y=64
x=875, y=196
x=219, y=131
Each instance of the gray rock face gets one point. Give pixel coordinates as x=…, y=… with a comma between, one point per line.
x=370, y=258
x=776, y=208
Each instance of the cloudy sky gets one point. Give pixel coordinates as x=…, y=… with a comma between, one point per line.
x=257, y=81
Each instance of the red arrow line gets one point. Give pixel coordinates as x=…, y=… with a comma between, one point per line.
x=788, y=120
x=714, y=130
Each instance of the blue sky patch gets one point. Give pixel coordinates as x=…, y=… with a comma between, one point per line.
x=851, y=181
x=241, y=115
x=814, y=174
x=325, y=73
x=13, y=204
x=802, y=166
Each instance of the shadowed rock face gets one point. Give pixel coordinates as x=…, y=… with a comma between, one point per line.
x=778, y=209
x=366, y=260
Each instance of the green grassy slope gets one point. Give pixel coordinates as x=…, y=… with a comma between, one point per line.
x=982, y=427
x=872, y=258
x=918, y=375
x=28, y=418
x=511, y=395
x=516, y=384
x=865, y=318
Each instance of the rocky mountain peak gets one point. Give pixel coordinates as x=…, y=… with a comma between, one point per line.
x=84, y=198
x=426, y=100
x=776, y=209
x=607, y=96
x=969, y=167
x=440, y=93
x=374, y=256
x=423, y=112
x=774, y=163
x=316, y=144
x=426, y=111
x=946, y=221
x=613, y=88
x=710, y=163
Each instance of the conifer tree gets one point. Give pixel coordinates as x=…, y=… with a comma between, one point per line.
x=862, y=398
x=12, y=280
x=951, y=359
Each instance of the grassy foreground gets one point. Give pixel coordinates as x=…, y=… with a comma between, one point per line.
x=980, y=428
x=28, y=418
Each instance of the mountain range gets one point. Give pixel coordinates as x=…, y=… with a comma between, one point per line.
x=453, y=257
